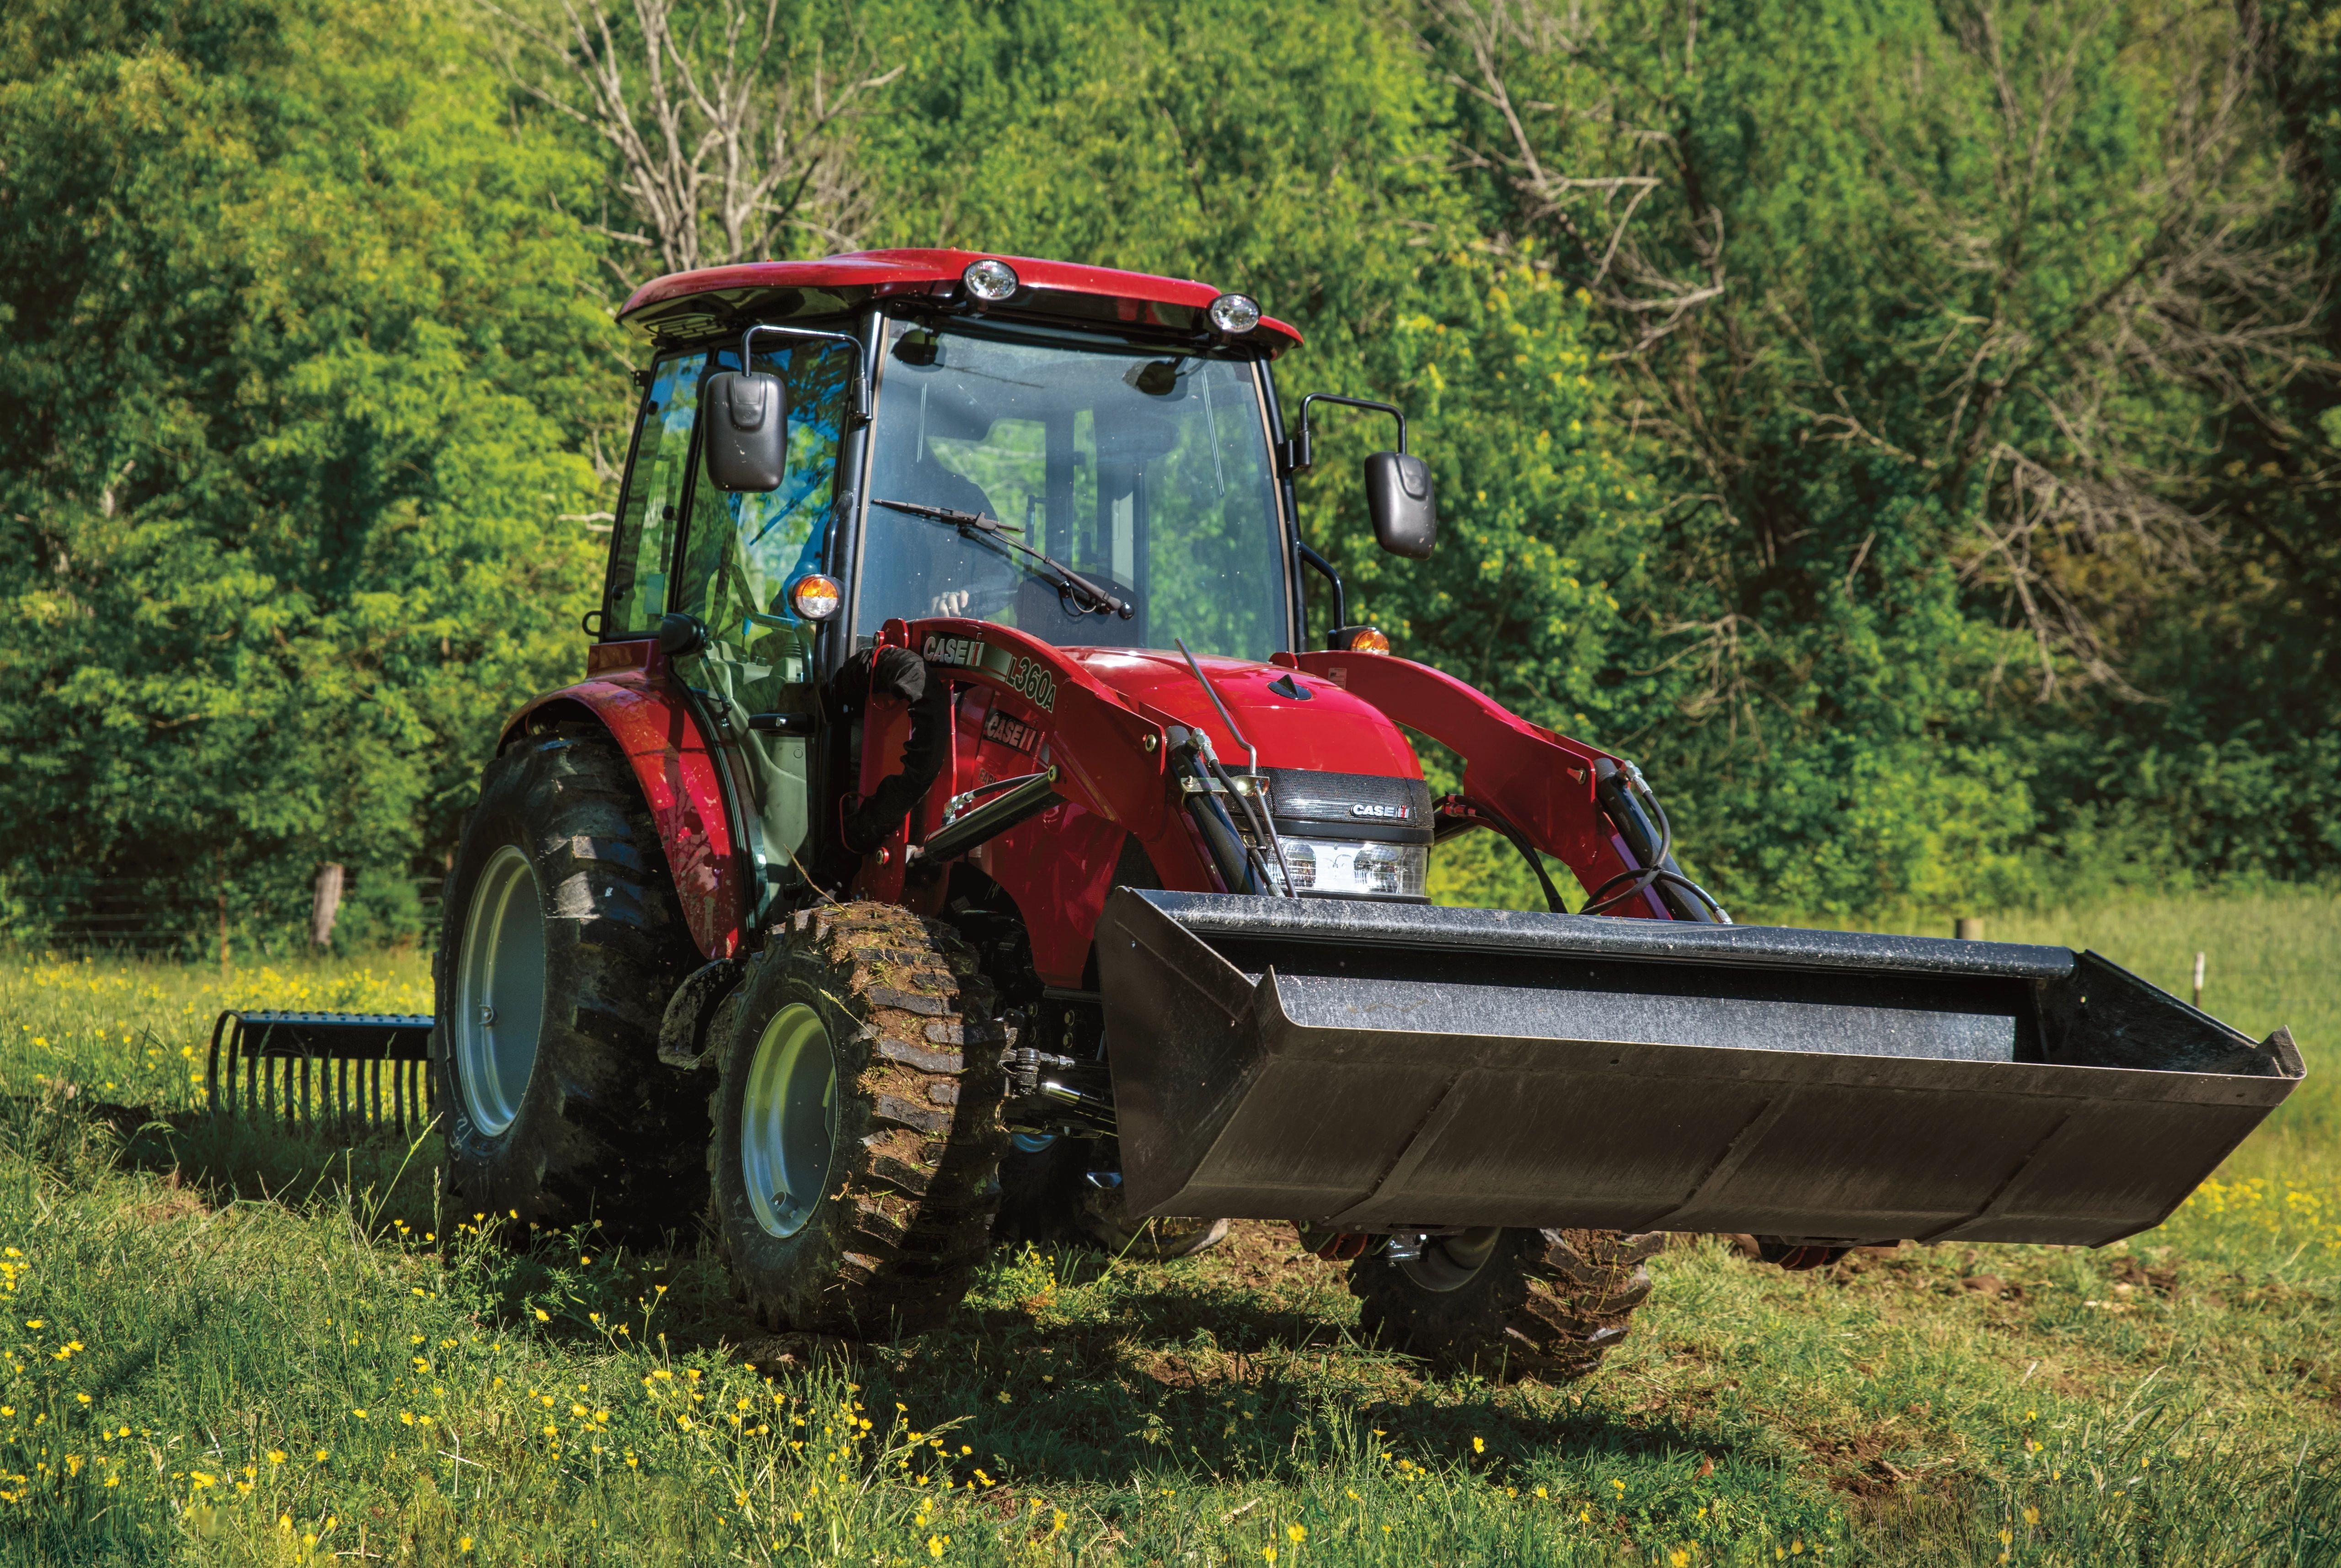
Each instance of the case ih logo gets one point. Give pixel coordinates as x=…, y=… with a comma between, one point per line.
x=1007, y=732
x=965, y=650
x=1029, y=679
x=1389, y=813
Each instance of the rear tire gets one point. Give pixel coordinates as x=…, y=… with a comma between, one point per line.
x=561, y=922
x=855, y=1162
x=1507, y=1303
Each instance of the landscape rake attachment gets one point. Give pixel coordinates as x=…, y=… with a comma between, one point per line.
x=332, y=1071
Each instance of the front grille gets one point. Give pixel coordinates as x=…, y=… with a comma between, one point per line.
x=1366, y=807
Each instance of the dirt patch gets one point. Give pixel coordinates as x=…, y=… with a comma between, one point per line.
x=773, y=1352
x=2127, y=1270
x=1859, y=1466
x=173, y=1204
x=1259, y=1252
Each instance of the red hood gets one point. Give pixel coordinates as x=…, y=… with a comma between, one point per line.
x=1327, y=731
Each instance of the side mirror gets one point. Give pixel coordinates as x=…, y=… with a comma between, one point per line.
x=1397, y=498
x=746, y=413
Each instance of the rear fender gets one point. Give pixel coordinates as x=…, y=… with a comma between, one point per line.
x=627, y=691
x=1541, y=780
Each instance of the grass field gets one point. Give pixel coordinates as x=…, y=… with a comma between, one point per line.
x=228, y=1347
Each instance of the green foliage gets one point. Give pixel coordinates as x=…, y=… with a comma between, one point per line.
x=1929, y=452
x=1961, y=541
x=289, y=515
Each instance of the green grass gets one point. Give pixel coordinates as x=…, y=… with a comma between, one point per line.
x=231, y=1295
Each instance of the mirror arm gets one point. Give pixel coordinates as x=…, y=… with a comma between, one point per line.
x=1340, y=595
x=1299, y=455
x=860, y=365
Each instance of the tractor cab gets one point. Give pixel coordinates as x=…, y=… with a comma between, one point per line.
x=1091, y=459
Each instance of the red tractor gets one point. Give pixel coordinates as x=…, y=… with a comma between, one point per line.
x=952, y=835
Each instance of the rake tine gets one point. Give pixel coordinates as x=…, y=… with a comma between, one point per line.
x=329, y=1069
x=211, y=1071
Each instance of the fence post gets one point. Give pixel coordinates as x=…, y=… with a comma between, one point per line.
x=326, y=905
x=2198, y=980
x=1967, y=929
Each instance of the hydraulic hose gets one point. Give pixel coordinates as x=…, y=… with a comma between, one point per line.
x=1462, y=810
x=1658, y=872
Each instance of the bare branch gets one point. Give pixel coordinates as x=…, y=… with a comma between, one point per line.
x=2047, y=318
x=728, y=140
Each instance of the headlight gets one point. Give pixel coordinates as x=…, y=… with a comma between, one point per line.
x=1350, y=869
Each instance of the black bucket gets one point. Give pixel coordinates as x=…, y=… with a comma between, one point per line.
x=1367, y=1065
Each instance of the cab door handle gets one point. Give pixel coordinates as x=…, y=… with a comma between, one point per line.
x=782, y=723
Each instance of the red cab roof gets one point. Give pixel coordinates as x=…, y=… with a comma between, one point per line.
x=682, y=304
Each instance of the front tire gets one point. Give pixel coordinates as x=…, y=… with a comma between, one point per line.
x=561, y=944
x=1544, y=1304
x=853, y=1167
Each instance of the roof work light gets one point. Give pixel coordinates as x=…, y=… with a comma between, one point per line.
x=989, y=280
x=1235, y=314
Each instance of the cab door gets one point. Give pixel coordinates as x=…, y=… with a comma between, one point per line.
x=754, y=680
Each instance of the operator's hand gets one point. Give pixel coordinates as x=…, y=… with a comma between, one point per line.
x=953, y=603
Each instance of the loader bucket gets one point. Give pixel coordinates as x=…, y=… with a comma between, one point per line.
x=1366, y=1066
x=353, y=1071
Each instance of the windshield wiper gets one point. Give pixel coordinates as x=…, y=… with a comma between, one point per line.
x=971, y=524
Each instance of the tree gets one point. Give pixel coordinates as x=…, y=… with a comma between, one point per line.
x=1927, y=315
x=291, y=343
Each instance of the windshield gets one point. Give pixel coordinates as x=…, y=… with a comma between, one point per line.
x=1145, y=471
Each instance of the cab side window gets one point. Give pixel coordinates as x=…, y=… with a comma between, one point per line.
x=650, y=513
x=743, y=552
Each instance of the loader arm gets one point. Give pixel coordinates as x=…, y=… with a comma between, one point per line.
x=1543, y=782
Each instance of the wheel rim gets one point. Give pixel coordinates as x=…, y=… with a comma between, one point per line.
x=499, y=999
x=788, y=1120
x=1453, y=1262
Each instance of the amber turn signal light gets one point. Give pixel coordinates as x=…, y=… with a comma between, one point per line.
x=1367, y=640
x=815, y=597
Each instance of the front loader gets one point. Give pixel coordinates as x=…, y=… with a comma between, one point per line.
x=953, y=834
